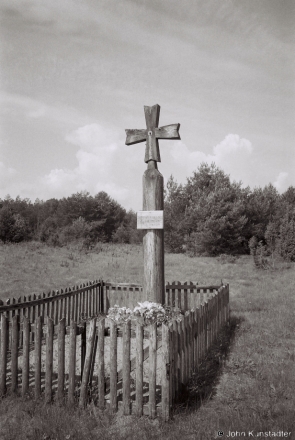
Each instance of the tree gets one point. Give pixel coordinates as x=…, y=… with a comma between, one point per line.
x=286, y=245
x=13, y=226
x=215, y=217
x=175, y=204
x=263, y=206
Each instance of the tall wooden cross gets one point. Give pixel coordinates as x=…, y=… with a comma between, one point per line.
x=153, y=202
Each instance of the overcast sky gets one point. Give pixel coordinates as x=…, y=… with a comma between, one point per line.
x=75, y=74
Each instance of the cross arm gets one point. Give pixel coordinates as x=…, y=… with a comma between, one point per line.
x=135, y=136
x=168, y=132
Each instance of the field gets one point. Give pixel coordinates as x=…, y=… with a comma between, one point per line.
x=245, y=386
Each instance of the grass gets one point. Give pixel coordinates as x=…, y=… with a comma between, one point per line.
x=246, y=383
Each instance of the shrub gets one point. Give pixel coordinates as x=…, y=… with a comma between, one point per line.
x=286, y=245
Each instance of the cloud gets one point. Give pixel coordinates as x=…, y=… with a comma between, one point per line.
x=232, y=144
x=232, y=154
x=282, y=182
x=98, y=158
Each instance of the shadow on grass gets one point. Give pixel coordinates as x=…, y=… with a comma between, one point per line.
x=202, y=384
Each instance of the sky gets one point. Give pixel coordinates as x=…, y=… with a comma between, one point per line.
x=74, y=75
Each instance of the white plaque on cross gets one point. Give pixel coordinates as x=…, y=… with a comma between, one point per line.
x=150, y=220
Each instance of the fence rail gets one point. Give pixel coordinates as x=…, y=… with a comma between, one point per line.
x=136, y=369
x=94, y=297
x=71, y=303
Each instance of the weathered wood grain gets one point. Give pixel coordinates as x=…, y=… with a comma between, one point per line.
x=61, y=359
x=100, y=371
x=152, y=369
x=49, y=360
x=72, y=363
x=139, y=369
x=126, y=368
x=87, y=364
x=37, y=355
x=26, y=356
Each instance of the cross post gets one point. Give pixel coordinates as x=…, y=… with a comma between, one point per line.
x=153, y=200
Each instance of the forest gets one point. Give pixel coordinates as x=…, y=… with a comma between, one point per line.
x=209, y=215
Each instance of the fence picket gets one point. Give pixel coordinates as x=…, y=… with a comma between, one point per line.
x=72, y=363
x=139, y=369
x=113, y=366
x=37, y=355
x=26, y=356
x=126, y=367
x=152, y=369
x=14, y=352
x=101, y=373
x=3, y=353
x=87, y=363
x=83, y=346
x=165, y=379
x=175, y=371
x=49, y=360
x=61, y=359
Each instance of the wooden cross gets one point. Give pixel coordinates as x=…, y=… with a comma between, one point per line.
x=152, y=133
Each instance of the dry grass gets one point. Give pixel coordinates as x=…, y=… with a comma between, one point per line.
x=246, y=383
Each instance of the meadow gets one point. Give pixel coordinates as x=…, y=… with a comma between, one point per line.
x=245, y=386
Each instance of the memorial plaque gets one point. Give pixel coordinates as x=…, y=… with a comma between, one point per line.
x=150, y=220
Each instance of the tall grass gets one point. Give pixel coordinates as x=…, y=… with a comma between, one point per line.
x=246, y=383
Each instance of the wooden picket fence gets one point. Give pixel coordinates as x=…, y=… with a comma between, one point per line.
x=94, y=297
x=135, y=369
x=73, y=303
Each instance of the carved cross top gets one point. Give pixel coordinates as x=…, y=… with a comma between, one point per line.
x=152, y=133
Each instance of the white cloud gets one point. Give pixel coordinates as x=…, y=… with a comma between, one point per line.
x=282, y=182
x=99, y=157
x=233, y=155
x=232, y=144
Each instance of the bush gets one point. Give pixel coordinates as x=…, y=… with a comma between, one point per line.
x=286, y=245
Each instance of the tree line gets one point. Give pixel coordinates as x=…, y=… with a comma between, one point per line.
x=59, y=222
x=208, y=215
